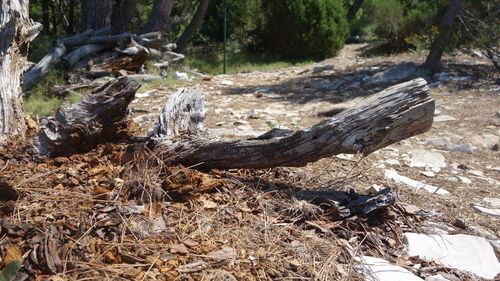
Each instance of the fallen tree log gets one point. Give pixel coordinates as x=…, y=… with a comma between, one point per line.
x=43, y=66
x=98, y=118
x=179, y=136
x=394, y=114
x=82, y=52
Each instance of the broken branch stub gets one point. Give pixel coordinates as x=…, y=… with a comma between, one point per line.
x=97, y=118
x=183, y=115
x=394, y=114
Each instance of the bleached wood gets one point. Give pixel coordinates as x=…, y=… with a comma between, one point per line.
x=394, y=114
x=82, y=52
x=16, y=32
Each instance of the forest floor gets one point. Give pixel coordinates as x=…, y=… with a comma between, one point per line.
x=91, y=217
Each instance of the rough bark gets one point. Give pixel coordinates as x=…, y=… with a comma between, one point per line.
x=97, y=118
x=433, y=60
x=96, y=14
x=16, y=32
x=193, y=26
x=159, y=18
x=387, y=117
x=43, y=66
x=123, y=11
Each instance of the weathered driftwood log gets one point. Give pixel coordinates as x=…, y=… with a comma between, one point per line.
x=82, y=52
x=98, y=118
x=394, y=114
x=43, y=66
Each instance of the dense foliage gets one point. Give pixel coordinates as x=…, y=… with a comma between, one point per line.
x=297, y=28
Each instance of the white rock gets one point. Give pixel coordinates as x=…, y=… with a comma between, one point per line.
x=241, y=122
x=440, y=141
x=462, y=252
x=180, y=76
x=420, y=158
x=374, y=189
x=437, y=277
x=485, y=140
x=453, y=137
x=402, y=71
x=376, y=269
x=146, y=94
x=393, y=175
x=444, y=118
x=476, y=173
x=466, y=147
x=464, y=180
x=428, y=174
x=226, y=83
x=437, y=228
x=496, y=169
x=488, y=211
x=493, y=202
x=393, y=162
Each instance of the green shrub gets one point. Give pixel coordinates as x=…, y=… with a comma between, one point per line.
x=304, y=28
x=403, y=24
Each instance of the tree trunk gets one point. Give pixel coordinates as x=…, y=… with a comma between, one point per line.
x=123, y=11
x=193, y=26
x=433, y=60
x=353, y=10
x=46, y=15
x=71, y=17
x=159, y=18
x=398, y=112
x=16, y=32
x=96, y=14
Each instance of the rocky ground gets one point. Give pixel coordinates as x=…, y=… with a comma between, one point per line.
x=173, y=223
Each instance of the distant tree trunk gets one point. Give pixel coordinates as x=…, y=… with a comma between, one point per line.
x=123, y=11
x=193, y=26
x=353, y=10
x=96, y=14
x=434, y=58
x=46, y=15
x=16, y=32
x=159, y=18
x=71, y=17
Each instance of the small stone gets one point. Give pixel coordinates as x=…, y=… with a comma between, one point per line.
x=428, y=174
x=374, y=189
x=438, y=277
x=476, y=173
x=488, y=211
x=467, y=148
x=226, y=83
x=440, y=141
x=219, y=123
x=444, y=118
x=180, y=76
x=392, y=162
x=376, y=269
x=464, y=180
x=485, y=140
x=241, y=122
x=393, y=175
x=426, y=159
